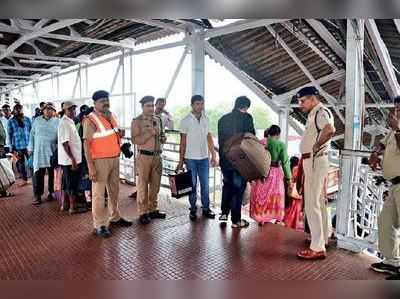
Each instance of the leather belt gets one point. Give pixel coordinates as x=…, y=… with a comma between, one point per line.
x=150, y=153
x=275, y=164
x=395, y=181
x=309, y=155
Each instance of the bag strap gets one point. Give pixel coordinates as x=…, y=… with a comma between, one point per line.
x=316, y=116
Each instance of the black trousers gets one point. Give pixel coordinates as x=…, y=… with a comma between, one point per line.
x=233, y=189
x=38, y=181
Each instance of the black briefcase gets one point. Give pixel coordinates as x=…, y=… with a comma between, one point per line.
x=181, y=184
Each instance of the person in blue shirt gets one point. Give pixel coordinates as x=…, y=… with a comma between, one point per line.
x=43, y=145
x=19, y=127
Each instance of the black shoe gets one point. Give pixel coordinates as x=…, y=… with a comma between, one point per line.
x=193, y=216
x=157, y=215
x=121, y=222
x=384, y=268
x=393, y=277
x=144, y=219
x=208, y=214
x=37, y=201
x=103, y=232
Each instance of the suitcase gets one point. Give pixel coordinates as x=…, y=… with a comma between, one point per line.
x=181, y=184
x=7, y=177
x=248, y=156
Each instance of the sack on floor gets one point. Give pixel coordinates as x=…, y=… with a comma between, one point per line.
x=248, y=156
x=181, y=184
x=7, y=177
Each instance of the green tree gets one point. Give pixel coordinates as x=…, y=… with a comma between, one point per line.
x=262, y=119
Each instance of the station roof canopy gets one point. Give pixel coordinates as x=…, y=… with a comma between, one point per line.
x=277, y=56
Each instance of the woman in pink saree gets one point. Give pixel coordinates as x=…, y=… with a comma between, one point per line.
x=267, y=197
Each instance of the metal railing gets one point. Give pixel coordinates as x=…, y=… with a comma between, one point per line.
x=361, y=209
x=170, y=158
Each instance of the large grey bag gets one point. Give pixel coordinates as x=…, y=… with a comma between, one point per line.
x=7, y=177
x=248, y=156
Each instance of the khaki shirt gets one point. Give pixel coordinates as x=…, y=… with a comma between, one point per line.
x=391, y=157
x=310, y=136
x=141, y=132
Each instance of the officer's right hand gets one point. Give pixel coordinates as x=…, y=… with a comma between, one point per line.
x=155, y=131
x=92, y=174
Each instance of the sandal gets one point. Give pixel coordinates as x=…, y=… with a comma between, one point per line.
x=241, y=224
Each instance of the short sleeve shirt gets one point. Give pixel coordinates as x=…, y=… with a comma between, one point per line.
x=391, y=157
x=321, y=117
x=196, y=132
x=67, y=132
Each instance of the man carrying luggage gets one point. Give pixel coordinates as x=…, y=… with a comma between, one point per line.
x=314, y=148
x=195, y=148
x=236, y=122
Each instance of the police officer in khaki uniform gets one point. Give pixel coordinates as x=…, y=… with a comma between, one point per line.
x=314, y=148
x=389, y=219
x=148, y=135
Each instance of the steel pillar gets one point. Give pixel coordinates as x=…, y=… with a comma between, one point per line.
x=353, y=127
x=198, y=54
x=283, y=124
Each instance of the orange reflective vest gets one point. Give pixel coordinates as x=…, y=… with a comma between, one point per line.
x=106, y=141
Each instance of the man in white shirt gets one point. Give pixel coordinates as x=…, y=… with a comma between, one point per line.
x=195, y=148
x=4, y=120
x=69, y=154
x=166, y=117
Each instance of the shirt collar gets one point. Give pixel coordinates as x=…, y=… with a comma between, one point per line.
x=67, y=118
x=315, y=109
x=194, y=117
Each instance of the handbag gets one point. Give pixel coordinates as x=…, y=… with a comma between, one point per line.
x=181, y=184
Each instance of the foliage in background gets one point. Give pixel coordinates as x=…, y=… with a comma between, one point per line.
x=262, y=119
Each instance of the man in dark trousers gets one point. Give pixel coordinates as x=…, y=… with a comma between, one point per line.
x=231, y=124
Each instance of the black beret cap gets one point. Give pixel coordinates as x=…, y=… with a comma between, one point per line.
x=146, y=99
x=100, y=94
x=307, y=91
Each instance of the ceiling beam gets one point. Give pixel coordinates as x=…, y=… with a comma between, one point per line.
x=308, y=74
x=46, y=57
x=327, y=36
x=384, y=57
x=73, y=38
x=245, y=79
x=46, y=62
x=32, y=35
x=331, y=41
x=301, y=37
x=285, y=98
x=240, y=26
x=159, y=24
x=29, y=69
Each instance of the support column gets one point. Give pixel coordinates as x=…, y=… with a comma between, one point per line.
x=198, y=54
x=283, y=124
x=353, y=131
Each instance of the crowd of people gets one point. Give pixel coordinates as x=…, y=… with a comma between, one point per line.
x=81, y=154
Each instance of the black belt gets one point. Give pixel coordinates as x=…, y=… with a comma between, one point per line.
x=275, y=164
x=150, y=153
x=396, y=180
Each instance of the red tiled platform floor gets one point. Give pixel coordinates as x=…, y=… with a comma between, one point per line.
x=44, y=243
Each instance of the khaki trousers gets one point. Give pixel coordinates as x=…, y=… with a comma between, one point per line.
x=149, y=182
x=314, y=201
x=107, y=177
x=389, y=228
